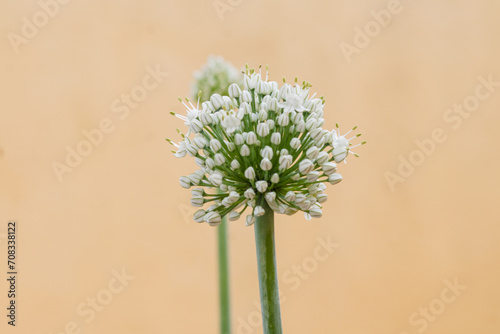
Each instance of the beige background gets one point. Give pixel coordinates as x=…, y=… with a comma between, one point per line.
x=122, y=206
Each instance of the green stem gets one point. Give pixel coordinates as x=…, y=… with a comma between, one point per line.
x=268, y=277
x=225, y=314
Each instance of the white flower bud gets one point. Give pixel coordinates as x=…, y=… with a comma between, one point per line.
x=310, y=124
x=197, y=192
x=233, y=215
x=322, y=197
x=283, y=119
x=261, y=186
x=199, y=216
x=312, y=152
x=224, y=188
x=299, y=198
x=328, y=137
x=295, y=143
x=195, y=125
x=315, y=212
x=339, y=154
x=244, y=109
x=300, y=126
x=312, y=176
x=230, y=146
x=316, y=134
x=262, y=129
x=238, y=139
x=215, y=145
x=251, y=81
x=285, y=90
x=290, y=211
x=251, y=138
x=297, y=117
x=290, y=196
x=275, y=178
x=181, y=152
x=234, y=90
x=266, y=164
x=185, y=182
x=217, y=101
x=312, y=189
x=226, y=202
x=227, y=102
x=273, y=104
x=245, y=151
x=219, y=159
x=249, y=220
x=321, y=141
x=306, y=166
x=200, y=162
x=197, y=201
x=270, y=197
x=295, y=176
x=267, y=152
x=215, y=179
x=250, y=173
x=274, y=86
x=262, y=115
x=270, y=123
x=235, y=164
x=305, y=205
x=334, y=178
x=251, y=203
x=329, y=168
x=207, y=107
x=322, y=158
x=200, y=141
x=246, y=96
x=195, y=178
x=276, y=138
x=263, y=88
x=191, y=149
x=212, y=218
x=249, y=193
x=215, y=118
x=284, y=151
x=285, y=161
x=259, y=211
x=233, y=197
x=210, y=163
x=212, y=207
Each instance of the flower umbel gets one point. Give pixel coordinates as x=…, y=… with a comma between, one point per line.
x=215, y=77
x=261, y=143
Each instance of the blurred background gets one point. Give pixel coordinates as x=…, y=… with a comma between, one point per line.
x=409, y=241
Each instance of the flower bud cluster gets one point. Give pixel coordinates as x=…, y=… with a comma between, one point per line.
x=260, y=144
x=215, y=77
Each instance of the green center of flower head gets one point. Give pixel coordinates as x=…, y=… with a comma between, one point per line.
x=260, y=143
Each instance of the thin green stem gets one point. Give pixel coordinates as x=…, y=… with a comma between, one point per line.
x=225, y=313
x=268, y=277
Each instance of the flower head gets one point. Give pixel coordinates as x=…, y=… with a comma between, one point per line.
x=215, y=77
x=260, y=143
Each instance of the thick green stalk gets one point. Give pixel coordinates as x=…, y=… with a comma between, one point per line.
x=268, y=276
x=225, y=313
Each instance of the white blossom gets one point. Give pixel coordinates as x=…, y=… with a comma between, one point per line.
x=259, y=142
